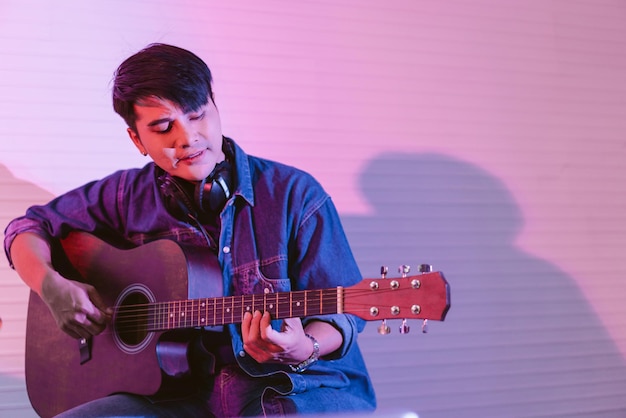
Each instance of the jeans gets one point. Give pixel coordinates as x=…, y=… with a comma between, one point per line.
x=230, y=393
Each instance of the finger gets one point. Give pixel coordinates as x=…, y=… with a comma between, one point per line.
x=274, y=342
x=253, y=343
x=291, y=328
x=94, y=328
x=255, y=326
x=245, y=326
x=75, y=330
x=293, y=324
x=85, y=326
x=96, y=311
x=88, y=320
x=265, y=325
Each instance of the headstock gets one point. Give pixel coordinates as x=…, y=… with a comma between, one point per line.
x=425, y=296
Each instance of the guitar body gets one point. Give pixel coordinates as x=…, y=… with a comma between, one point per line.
x=111, y=361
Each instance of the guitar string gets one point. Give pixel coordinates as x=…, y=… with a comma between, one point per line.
x=136, y=317
x=239, y=302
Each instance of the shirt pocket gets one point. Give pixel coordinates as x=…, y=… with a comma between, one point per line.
x=259, y=277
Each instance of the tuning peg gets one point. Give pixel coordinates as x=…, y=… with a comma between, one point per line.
x=425, y=326
x=404, y=327
x=404, y=270
x=425, y=268
x=383, y=328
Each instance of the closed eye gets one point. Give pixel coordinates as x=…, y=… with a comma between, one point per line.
x=163, y=128
x=197, y=117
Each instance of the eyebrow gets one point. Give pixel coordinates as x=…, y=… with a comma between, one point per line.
x=159, y=121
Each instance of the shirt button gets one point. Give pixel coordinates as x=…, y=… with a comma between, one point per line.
x=226, y=249
x=242, y=353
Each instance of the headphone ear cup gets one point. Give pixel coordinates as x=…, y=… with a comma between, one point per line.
x=213, y=192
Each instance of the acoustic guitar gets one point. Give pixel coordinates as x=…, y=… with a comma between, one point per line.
x=147, y=287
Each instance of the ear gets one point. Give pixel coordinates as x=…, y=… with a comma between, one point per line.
x=137, y=141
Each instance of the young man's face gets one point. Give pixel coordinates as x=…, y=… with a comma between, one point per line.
x=186, y=145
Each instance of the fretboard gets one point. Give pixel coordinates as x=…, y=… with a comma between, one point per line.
x=231, y=309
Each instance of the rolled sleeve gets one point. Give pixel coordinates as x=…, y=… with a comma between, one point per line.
x=19, y=226
x=348, y=325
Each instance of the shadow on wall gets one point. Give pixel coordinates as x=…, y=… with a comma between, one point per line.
x=519, y=340
x=15, y=197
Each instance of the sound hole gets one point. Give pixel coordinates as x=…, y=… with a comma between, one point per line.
x=131, y=320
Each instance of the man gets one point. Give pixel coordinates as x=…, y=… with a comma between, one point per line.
x=271, y=226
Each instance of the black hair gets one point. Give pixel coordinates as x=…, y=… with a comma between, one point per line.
x=165, y=72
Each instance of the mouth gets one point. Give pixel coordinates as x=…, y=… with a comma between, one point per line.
x=190, y=158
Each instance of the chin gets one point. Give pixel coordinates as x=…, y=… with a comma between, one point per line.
x=198, y=175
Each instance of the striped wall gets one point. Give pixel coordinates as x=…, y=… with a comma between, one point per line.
x=485, y=137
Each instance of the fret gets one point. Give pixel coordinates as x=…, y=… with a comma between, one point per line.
x=281, y=301
x=321, y=301
x=183, y=315
x=329, y=302
x=309, y=303
x=165, y=316
x=200, y=318
x=235, y=307
x=176, y=315
x=171, y=315
x=214, y=312
x=225, y=311
x=246, y=304
x=169, y=324
x=224, y=308
x=192, y=318
x=149, y=319
x=218, y=315
x=210, y=312
x=306, y=304
x=271, y=304
x=153, y=315
x=162, y=316
x=297, y=304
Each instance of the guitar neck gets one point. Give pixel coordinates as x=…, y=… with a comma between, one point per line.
x=203, y=312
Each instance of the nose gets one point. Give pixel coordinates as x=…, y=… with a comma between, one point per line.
x=185, y=135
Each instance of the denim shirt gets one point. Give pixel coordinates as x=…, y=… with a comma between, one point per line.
x=279, y=232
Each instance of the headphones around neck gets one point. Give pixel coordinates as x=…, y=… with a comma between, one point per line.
x=184, y=199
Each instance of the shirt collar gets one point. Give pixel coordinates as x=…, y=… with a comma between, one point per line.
x=242, y=172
